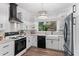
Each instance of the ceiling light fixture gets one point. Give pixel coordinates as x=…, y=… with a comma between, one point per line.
x=42, y=14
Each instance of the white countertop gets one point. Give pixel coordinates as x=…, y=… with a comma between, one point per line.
x=5, y=40
x=50, y=36
x=43, y=35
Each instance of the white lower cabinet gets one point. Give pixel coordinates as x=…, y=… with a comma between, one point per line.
x=49, y=44
x=7, y=49
x=31, y=41
x=56, y=44
x=34, y=41
x=28, y=45
x=61, y=43
x=52, y=44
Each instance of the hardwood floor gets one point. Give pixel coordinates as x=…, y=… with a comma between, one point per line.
x=42, y=52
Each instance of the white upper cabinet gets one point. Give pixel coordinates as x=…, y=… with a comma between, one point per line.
x=4, y=17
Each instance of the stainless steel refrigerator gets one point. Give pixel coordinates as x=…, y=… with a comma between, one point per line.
x=68, y=36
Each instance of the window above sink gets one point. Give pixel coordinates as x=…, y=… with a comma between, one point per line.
x=47, y=26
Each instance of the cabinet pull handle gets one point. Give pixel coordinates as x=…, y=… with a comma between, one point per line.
x=5, y=46
x=5, y=53
x=51, y=41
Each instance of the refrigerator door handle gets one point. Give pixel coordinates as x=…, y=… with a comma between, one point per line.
x=65, y=32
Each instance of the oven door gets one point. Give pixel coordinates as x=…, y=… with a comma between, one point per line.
x=20, y=45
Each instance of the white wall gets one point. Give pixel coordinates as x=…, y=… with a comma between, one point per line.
x=4, y=15
x=76, y=32
x=26, y=17
x=59, y=18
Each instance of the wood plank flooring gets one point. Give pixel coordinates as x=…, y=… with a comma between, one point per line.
x=42, y=52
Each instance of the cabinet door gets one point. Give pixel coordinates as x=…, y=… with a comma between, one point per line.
x=61, y=43
x=52, y=44
x=34, y=41
x=55, y=44
x=28, y=42
x=48, y=44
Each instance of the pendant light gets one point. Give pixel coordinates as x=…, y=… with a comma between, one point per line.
x=42, y=13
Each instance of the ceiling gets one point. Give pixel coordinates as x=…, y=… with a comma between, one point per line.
x=51, y=8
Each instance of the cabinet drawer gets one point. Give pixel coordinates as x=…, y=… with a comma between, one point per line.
x=7, y=53
x=7, y=48
x=6, y=45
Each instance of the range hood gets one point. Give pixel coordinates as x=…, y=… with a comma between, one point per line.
x=13, y=13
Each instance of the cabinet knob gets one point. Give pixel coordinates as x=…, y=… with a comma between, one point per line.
x=1, y=25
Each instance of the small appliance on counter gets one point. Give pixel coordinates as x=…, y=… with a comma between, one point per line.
x=33, y=31
x=13, y=36
x=1, y=36
x=22, y=32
